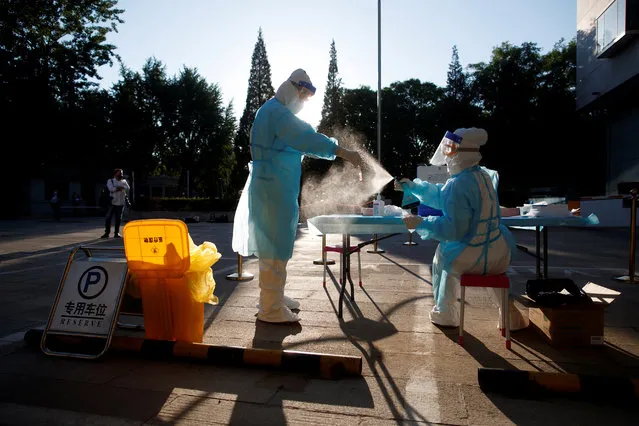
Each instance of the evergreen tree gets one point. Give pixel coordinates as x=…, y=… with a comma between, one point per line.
x=458, y=107
x=457, y=87
x=260, y=89
x=333, y=116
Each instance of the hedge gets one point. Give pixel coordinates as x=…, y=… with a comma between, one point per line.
x=185, y=204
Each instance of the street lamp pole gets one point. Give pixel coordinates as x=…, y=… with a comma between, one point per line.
x=376, y=249
x=379, y=81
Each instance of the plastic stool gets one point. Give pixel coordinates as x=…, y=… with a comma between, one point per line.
x=487, y=281
x=338, y=249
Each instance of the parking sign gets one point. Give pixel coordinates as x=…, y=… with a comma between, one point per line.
x=89, y=298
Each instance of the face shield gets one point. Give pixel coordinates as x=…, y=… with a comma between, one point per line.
x=448, y=147
x=304, y=89
x=295, y=91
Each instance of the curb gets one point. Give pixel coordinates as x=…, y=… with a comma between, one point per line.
x=518, y=383
x=327, y=366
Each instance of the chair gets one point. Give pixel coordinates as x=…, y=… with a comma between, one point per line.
x=338, y=249
x=487, y=281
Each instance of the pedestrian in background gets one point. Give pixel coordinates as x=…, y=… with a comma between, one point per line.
x=55, y=206
x=118, y=188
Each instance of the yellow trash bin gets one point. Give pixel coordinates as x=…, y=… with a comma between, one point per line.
x=157, y=253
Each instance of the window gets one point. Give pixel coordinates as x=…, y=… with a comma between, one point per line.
x=611, y=25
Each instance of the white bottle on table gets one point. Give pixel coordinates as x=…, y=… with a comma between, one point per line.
x=378, y=206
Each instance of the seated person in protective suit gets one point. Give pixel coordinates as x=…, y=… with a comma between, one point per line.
x=472, y=238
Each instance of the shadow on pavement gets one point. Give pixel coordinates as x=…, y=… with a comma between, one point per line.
x=24, y=255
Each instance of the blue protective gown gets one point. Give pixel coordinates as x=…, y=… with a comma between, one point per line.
x=462, y=200
x=278, y=142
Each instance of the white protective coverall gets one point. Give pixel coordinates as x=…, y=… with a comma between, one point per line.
x=472, y=238
x=266, y=218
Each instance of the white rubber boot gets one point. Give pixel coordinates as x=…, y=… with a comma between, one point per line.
x=282, y=315
x=447, y=318
x=272, y=280
x=289, y=302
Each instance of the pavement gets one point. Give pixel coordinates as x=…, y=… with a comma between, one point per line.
x=413, y=372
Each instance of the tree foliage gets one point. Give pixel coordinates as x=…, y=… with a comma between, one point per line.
x=333, y=119
x=260, y=89
x=153, y=123
x=333, y=116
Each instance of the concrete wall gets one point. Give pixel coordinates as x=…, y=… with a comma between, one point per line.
x=598, y=76
x=623, y=149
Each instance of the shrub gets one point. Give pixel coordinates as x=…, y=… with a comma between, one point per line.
x=185, y=204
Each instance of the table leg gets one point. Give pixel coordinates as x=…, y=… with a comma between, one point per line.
x=348, y=268
x=322, y=259
x=344, y=255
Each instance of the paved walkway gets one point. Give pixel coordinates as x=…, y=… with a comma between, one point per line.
x=413, y=371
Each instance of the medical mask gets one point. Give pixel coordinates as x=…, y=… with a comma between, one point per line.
x=295, y=105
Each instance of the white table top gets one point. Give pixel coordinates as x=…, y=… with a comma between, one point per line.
x=359, y=225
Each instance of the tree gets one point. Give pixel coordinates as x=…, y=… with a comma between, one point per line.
x=141, y=115
x=260, y=89
x=360, y=106
x=49, y=52
x=333, y=115
x=198, y=135
x=457, y=106
x=58, y=44
x=456, y=86
x=529, y=101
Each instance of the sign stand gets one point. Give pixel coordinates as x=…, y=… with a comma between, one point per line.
x=86, y=307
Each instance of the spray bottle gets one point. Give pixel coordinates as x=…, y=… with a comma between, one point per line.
x=409, y=201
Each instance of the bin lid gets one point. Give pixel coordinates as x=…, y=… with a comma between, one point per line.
x=160, y=245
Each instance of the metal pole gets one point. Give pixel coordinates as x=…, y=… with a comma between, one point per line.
x=410, y=241
x=133, y=186
x=632, y=277
x=633, y=232
x=379, y=81
x=379, y=105
x=375, y=248
x=240, y=275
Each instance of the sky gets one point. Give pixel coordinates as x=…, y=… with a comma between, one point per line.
x=217, y=37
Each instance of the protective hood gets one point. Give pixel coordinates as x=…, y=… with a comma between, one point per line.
x=288, y=94
x=459, y=150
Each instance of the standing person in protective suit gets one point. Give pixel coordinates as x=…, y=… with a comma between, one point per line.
x=472, y=237
x=279, y=140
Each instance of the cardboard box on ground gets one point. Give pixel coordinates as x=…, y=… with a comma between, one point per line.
x=572, y=325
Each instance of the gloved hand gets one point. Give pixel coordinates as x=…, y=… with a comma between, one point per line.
x=412, y=221
x=350, y=155
x=399, y=184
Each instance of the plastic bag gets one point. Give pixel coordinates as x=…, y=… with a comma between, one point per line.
x=241, y=233
x=200, y=276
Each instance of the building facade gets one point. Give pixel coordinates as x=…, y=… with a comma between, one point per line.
x=608, y=81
